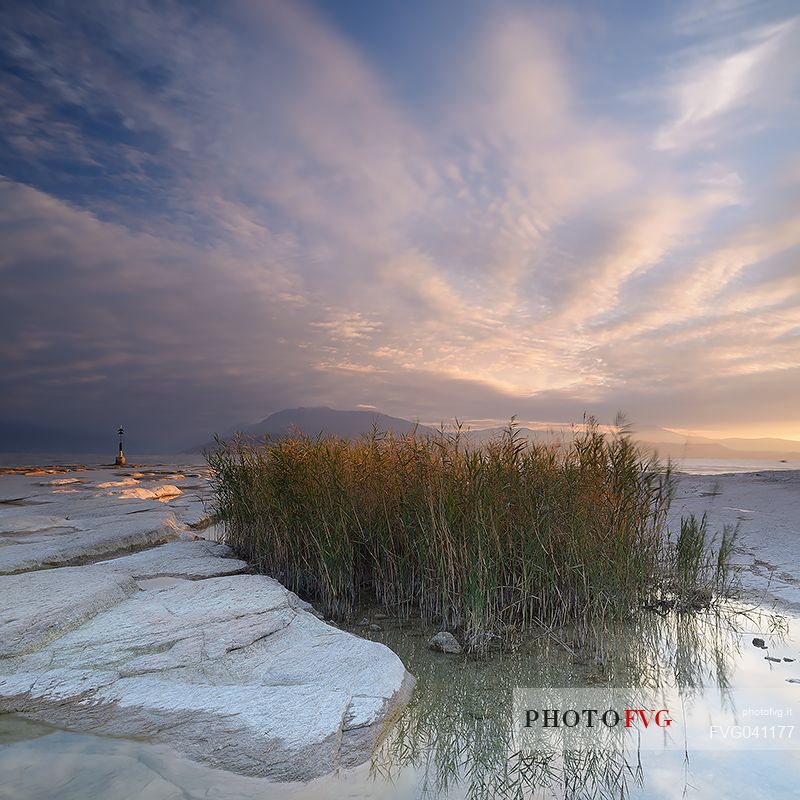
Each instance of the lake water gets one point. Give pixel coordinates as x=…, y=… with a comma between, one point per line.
x=694, y=466
x=456, y=739
x=720, y=466
x=98, y=459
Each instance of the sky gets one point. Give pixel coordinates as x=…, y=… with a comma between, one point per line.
x=213, y=211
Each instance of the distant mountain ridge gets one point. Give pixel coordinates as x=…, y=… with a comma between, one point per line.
x=351, y=424
x=322, y=421
x=670, y=444
x=690, y=449
x=666, y=443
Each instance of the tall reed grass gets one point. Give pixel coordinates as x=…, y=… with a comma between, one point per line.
x=487, y=541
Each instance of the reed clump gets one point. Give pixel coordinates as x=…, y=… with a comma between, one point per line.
x=487, y=541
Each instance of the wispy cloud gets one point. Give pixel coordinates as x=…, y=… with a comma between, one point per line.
x=217, y=215
x=738, y=86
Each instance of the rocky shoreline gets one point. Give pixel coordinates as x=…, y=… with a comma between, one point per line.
x=117, y=619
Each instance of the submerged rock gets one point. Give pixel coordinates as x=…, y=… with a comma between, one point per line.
x=445, y=642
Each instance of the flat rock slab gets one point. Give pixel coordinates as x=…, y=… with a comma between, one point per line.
x=27, y=522
x=37, y=607
x=230, y=671
x=62, y=547
x=192, y=560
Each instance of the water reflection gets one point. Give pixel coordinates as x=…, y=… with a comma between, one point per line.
x=456, y=739
x=458, y=732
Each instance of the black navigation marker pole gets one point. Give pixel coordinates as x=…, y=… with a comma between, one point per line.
x=120, y=462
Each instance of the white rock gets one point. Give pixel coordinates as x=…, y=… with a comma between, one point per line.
x=233, y=671
x=103, y=538
x=764, y=506
x=23, y=522
x=227, y=670
x=195, y=559
x=36, y=607
x=117, y=484
x=158, y=493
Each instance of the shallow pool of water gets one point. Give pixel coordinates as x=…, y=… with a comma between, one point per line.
x=456, y=739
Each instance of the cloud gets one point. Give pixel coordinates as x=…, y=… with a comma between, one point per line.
x=208, y=217
x=739, y=86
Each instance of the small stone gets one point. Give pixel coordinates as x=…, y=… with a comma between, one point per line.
x=759, y=643
x=793, y=680
x=374, y=627
x=771, y=658
x=363, y=623
x=380, y=615
x=786, y=658
x=445, y=642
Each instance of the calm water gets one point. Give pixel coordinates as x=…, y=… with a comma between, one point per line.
x=695, y=466
x=719, y=466
x=455, y=739
x=100, y=459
